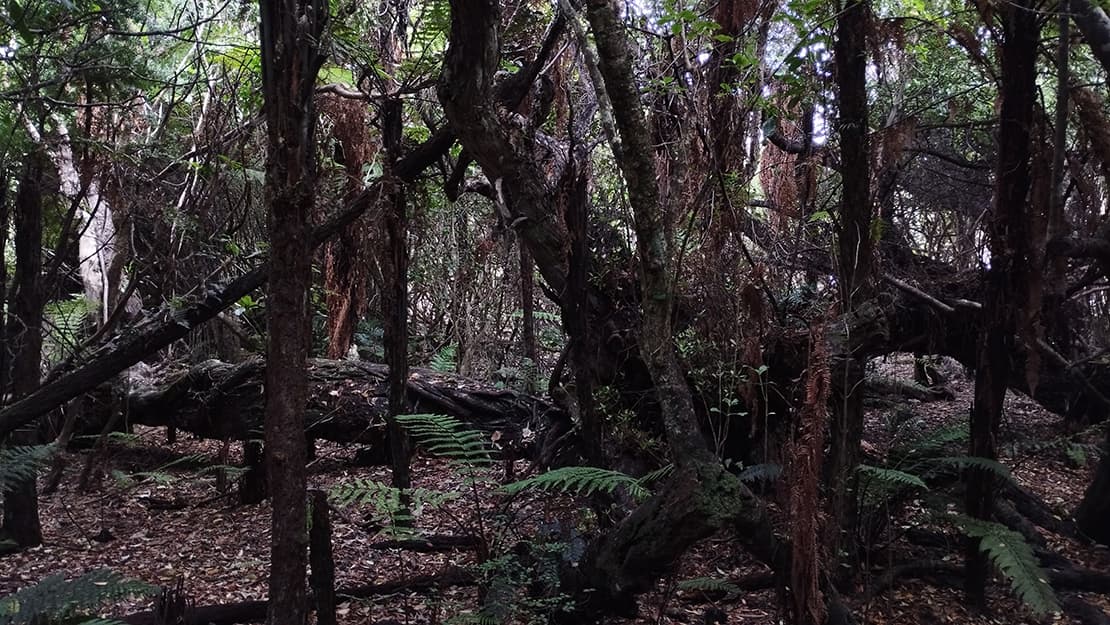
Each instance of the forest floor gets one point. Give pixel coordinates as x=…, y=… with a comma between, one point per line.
x=154, y=518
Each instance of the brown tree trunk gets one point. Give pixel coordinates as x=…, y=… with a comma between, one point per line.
x=1093, y=515
x=291, y=31
x=1009, y=263
x=23, y=336
x=854, y=251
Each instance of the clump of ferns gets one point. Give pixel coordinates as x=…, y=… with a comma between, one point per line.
x=58, y=601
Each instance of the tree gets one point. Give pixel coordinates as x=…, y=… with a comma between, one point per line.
x=291, y=34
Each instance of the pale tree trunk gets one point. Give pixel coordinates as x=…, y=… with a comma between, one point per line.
x=290, y=30
x=97, y=245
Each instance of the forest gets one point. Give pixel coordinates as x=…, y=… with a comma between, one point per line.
x=554, y=311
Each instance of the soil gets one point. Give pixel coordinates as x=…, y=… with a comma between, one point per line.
x=155, y=514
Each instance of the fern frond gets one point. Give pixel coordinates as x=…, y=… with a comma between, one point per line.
x=444, y=360
x=892, y=477
x=975, y=462
x=54, y=599
x=656, y=475
x=447, y=437
x=766, y=472
x=20, y=464
x=1012, y=556
x=709, y=584
x=579, y=480
x=938, y=439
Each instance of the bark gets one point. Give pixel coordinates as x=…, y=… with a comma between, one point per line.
x=290, y=32
x=23, y=336
x=1007, y=277
x=1093, y=515
x=347, y=403
x=116, y=353
x=323, y=566
x=854, y=260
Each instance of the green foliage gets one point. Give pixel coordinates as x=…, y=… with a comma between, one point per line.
x=975, y=462
x=55, y=601
x=1009, y=552
x=394, y=510
x=447, y=437
x=937, y=440
x=709, y=585
x=891, y=476
x=444, y=360
x=580, y=481
x=19, y=464
x=765, y=472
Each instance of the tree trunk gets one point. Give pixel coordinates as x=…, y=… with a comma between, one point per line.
x=854, y=252
x=1093, y=515
x=1010, y=261
x=23, y=335
x=1095, y=26
x=291, y=31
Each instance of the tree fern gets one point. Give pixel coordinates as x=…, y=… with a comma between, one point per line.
x=19, y=464
x=937, y=440
x=54, y=599
x=1012, y=556
x=580, y=481
x=390, y=511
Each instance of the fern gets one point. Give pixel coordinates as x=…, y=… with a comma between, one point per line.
x=938, y=439
x=766, y=472
x=390, y=510
x=20, y=464
x=579, y=480
x=892, y=477
x=447, y=437
x=54, y=599
x=975, y=462
x=710, y=585
x=1012, y=556
x=444, y=360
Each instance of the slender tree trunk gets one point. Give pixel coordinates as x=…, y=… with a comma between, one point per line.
x=1009, y=265
x=291, y=30
x=854, y=253
x=528, y=317
x=395, y=295
x=23, y=335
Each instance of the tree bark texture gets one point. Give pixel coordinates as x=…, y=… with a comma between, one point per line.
x=23, y=336
x=1010, y=261
x=291, y=31
x=854, y=260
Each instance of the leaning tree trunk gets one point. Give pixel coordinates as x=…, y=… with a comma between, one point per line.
x=1010, y=261
x=291, y=31
x=23, y=335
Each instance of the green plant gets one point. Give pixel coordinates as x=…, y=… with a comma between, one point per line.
x=1012, y=556
x=21, y=463
x=444, y=360
x=580, y=481
x=57, y=601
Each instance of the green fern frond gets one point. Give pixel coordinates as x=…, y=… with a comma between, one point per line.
x=1012, y=556
x=766, y=472
x=444, y=360
x=656, y=475
x=579, y=480
x=709, y=584
x=975, y=462
x=938, y=439
x=447, y=437
x=21, y=463
x=54, y=599
x=892, y=477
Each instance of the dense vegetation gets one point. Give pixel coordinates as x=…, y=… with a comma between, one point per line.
x=635, y=276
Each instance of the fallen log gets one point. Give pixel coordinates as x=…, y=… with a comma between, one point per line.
x=347, y=404
x=255, y=611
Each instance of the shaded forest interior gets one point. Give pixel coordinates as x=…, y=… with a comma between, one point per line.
x=554, y=311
